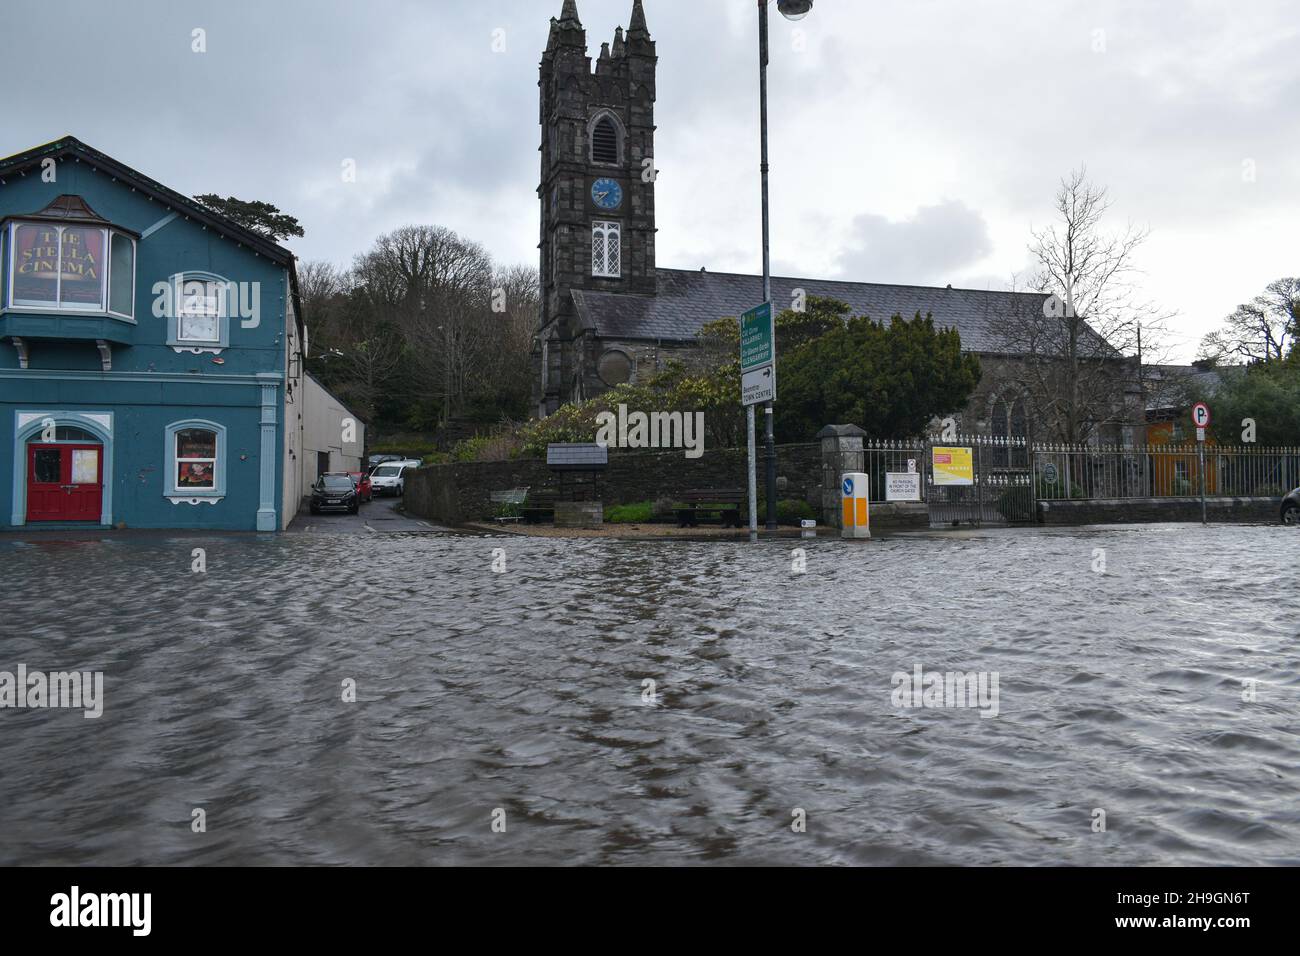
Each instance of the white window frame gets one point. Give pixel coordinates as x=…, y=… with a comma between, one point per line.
x=177, y=311
x=174, y=492
x=606, y=236
x=108, y=298
x=213, y=307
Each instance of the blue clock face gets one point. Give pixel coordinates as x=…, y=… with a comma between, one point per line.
x=607, y=194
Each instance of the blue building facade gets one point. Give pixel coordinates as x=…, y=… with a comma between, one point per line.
x=149, y=350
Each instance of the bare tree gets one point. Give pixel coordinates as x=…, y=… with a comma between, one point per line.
x=1075, y=354
x=1260, y=330
x=320, y=284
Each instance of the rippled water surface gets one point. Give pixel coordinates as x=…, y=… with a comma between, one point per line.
x=524, y=691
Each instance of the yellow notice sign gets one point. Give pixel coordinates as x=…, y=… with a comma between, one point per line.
x=953, y=466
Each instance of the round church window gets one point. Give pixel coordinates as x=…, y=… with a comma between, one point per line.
x=615, y=368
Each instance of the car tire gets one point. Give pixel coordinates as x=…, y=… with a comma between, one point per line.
x=1291, y=515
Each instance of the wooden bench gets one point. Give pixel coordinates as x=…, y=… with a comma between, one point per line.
x=723, y=503
x=514, y=496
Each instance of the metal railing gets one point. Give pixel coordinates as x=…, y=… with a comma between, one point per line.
x=880, y=457
x=1162, y=471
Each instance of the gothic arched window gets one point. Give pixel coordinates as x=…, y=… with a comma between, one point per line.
x=606, y=251
x=1009, y=420
x=605, y=140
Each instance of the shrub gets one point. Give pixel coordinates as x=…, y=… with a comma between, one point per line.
x=641, y=512
x=1055, y=490
x=1016, y=504
x=501, y=446
x=662, y=508
x=789, y=511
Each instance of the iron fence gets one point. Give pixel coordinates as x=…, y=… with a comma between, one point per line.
x=1000, y=480
x=879, y=458
x=1162, y=471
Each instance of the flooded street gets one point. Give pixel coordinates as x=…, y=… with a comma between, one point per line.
x=1121, y=655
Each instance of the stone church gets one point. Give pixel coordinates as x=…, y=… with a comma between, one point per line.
x=610, y=315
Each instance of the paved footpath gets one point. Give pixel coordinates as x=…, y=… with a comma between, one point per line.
x=376, y=517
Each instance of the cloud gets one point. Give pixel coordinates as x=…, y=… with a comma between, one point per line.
x=927, y=248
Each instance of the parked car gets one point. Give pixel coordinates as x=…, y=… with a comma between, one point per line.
x=364, y=489
x=1291, y=508
x=389, y=479
x=335, y=493
x=374, y=461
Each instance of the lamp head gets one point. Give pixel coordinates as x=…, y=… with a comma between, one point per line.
x=794, y=9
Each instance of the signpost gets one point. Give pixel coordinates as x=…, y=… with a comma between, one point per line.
x=757, y=387
x=1201, y=419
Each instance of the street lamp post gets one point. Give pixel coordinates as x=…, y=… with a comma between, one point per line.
x=791, y=10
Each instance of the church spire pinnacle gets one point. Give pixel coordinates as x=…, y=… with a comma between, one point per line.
x=619, y=46
x=637, y=29
x=569, y=15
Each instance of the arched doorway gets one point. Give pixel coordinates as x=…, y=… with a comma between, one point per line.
x=65, y=475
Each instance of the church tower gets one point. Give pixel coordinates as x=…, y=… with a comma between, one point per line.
x=596, y=192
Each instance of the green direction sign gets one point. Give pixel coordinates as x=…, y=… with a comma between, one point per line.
x=756, y=338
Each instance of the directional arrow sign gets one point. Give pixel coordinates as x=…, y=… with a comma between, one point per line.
x=758, y=386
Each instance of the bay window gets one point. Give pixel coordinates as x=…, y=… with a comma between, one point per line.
x=70, y=268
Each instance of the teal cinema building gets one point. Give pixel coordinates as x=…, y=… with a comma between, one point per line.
x=151, y=357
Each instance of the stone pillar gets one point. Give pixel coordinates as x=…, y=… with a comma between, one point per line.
x=841, y=453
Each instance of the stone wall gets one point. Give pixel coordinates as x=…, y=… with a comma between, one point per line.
x=1137, y=510
x=457, y=493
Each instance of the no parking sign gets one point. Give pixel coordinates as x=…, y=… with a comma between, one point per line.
x=1201, y=419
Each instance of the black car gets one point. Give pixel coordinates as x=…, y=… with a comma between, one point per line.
x=1291, y=508
x=335, y=493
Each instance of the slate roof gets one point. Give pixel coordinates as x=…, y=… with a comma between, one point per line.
x=688, y=300
x=576, y=457
x=1169, y=385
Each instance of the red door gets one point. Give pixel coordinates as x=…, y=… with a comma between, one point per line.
x=65, y=482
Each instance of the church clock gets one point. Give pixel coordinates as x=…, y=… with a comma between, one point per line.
x=606, y=194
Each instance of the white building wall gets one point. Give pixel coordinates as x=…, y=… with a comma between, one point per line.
x=327, y=427
x=293, y=458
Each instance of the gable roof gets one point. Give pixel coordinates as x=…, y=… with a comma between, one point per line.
x=69, y=147
x=688, y=300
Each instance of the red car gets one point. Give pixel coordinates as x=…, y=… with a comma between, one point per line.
x=362, y=481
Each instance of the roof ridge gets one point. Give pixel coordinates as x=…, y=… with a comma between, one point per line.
x=879, y=285
x=233, y=230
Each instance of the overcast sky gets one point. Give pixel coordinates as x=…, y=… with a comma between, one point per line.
x=913, y=141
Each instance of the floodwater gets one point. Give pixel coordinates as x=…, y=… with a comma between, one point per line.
x=1164, y=692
